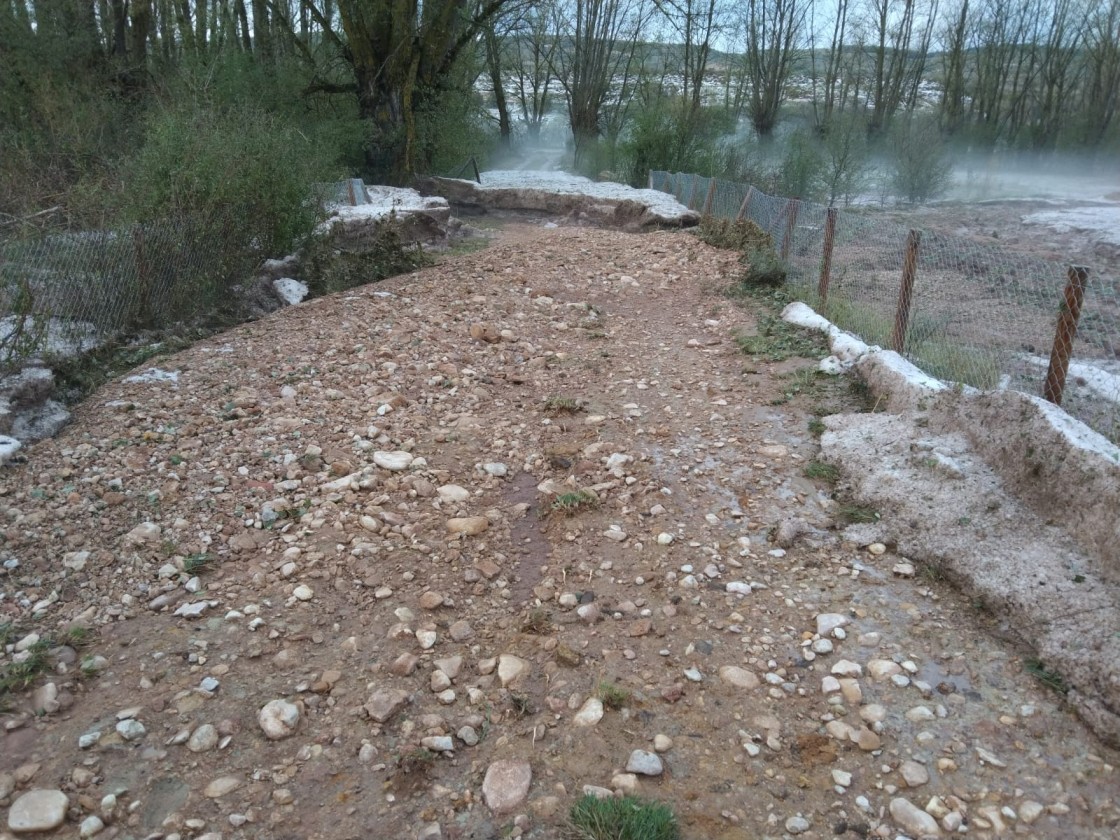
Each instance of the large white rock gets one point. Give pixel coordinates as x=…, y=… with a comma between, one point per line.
x=38, y=810
x=912, y=819
x=393, y=461
x=506, y=784
x=278, y=719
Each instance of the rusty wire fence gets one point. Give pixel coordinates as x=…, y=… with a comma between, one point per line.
x=962, y=311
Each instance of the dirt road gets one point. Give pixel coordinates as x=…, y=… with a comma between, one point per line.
x=470, y=539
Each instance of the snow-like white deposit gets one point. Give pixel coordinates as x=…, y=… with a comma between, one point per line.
x=154, y=375
x=9, y=446
x=846, y=348
x=292, y=291
x=1098, y=380
x=563, y=183
x=1102, y=220
x=52, y=336
x=385, y=201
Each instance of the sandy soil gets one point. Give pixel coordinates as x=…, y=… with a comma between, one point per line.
x=253, y=533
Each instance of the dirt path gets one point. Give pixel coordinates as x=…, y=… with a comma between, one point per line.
x=254, y=532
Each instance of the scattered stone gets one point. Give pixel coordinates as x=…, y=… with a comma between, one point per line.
x=913, y=819
x=644, y=763
x=738, y=677
x=382, y=705
x=590, y=713
x=827, y=622
x=393, y=461
x=38, y=810
x=222, y=786
x=847, y=668
x=91, y=826
x=131, y=729
x=468, y=525
x=512, y=669
x=468, y=735
x=438, y=743
x=797, y=825
x=914, y=774
x=506, y=784
x=303, y=592
x=278, y=719
x=430, y=600
x=203, y=739
x=453, y=493
x=662, y=743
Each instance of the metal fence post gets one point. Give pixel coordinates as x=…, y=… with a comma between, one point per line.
x=792, y=206
x=906, y=291
x=710, y=197
x=746, y=205
x=826, y=259
x=1068, y=314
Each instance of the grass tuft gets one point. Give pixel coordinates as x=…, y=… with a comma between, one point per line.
x=625, y=818
x=852, y=514
x=537, y=622
x=1048, y=677
x=614, y=696
x=561, y=405
x=778, y=340
x=572, y=503
x=822, y=471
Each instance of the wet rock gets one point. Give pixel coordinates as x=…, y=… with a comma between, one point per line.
x=506, y=784
x=38, y=810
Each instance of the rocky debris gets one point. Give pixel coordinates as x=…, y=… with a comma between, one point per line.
x=506, y=784
x=416, y=658
x=38, y=810
x=913, y=819
x=27, y=412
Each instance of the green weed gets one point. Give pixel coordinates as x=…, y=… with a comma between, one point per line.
x=852, y=514
x=626, y=818
x=1048, y=677
x=561, y=405
x=778, y=340
x=822, y=471
x=614, y=696
x=572, y=503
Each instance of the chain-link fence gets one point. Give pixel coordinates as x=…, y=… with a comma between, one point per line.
x=64, y=293
x=961, y=311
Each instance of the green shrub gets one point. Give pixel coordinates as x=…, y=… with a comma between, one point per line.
x=327, y=268
x=741, y=235
x=922, y=169
x=218, y=191
x=802, y=171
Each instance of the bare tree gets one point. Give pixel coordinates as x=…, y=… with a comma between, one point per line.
x=533, y=58
x=596, y=51
x=1102, y=57
x=828, y=89
x=774, y=30
x=902, y=42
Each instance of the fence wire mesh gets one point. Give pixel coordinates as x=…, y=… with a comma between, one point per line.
x=975, y=314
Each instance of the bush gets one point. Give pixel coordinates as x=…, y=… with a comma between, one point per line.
x=802, y=171
x=845, y=158
x=224, y=189
x=762, y=265
x=922, y=169
x=328, y=268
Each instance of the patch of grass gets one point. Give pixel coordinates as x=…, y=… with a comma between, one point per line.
x=537, y=622
x=852, y=514
x=778, y=340
x=822, y=471
x=805, y=381
x=522, y=704
x=816, y=426
x=417, y=762
x=613, y=695
x=7, y=633
x=1048, y=677
x=561, y=405
x=17, y=676
x=572, y=503
x=626, y=818
x=196, y=563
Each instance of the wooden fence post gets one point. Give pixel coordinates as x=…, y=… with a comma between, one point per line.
x=692, y=192
x=746, y=205
x=906, y=291
x=1068, y=315
x=792, y=206
x=143, y=315
x=709, y=197
x=826, y=260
